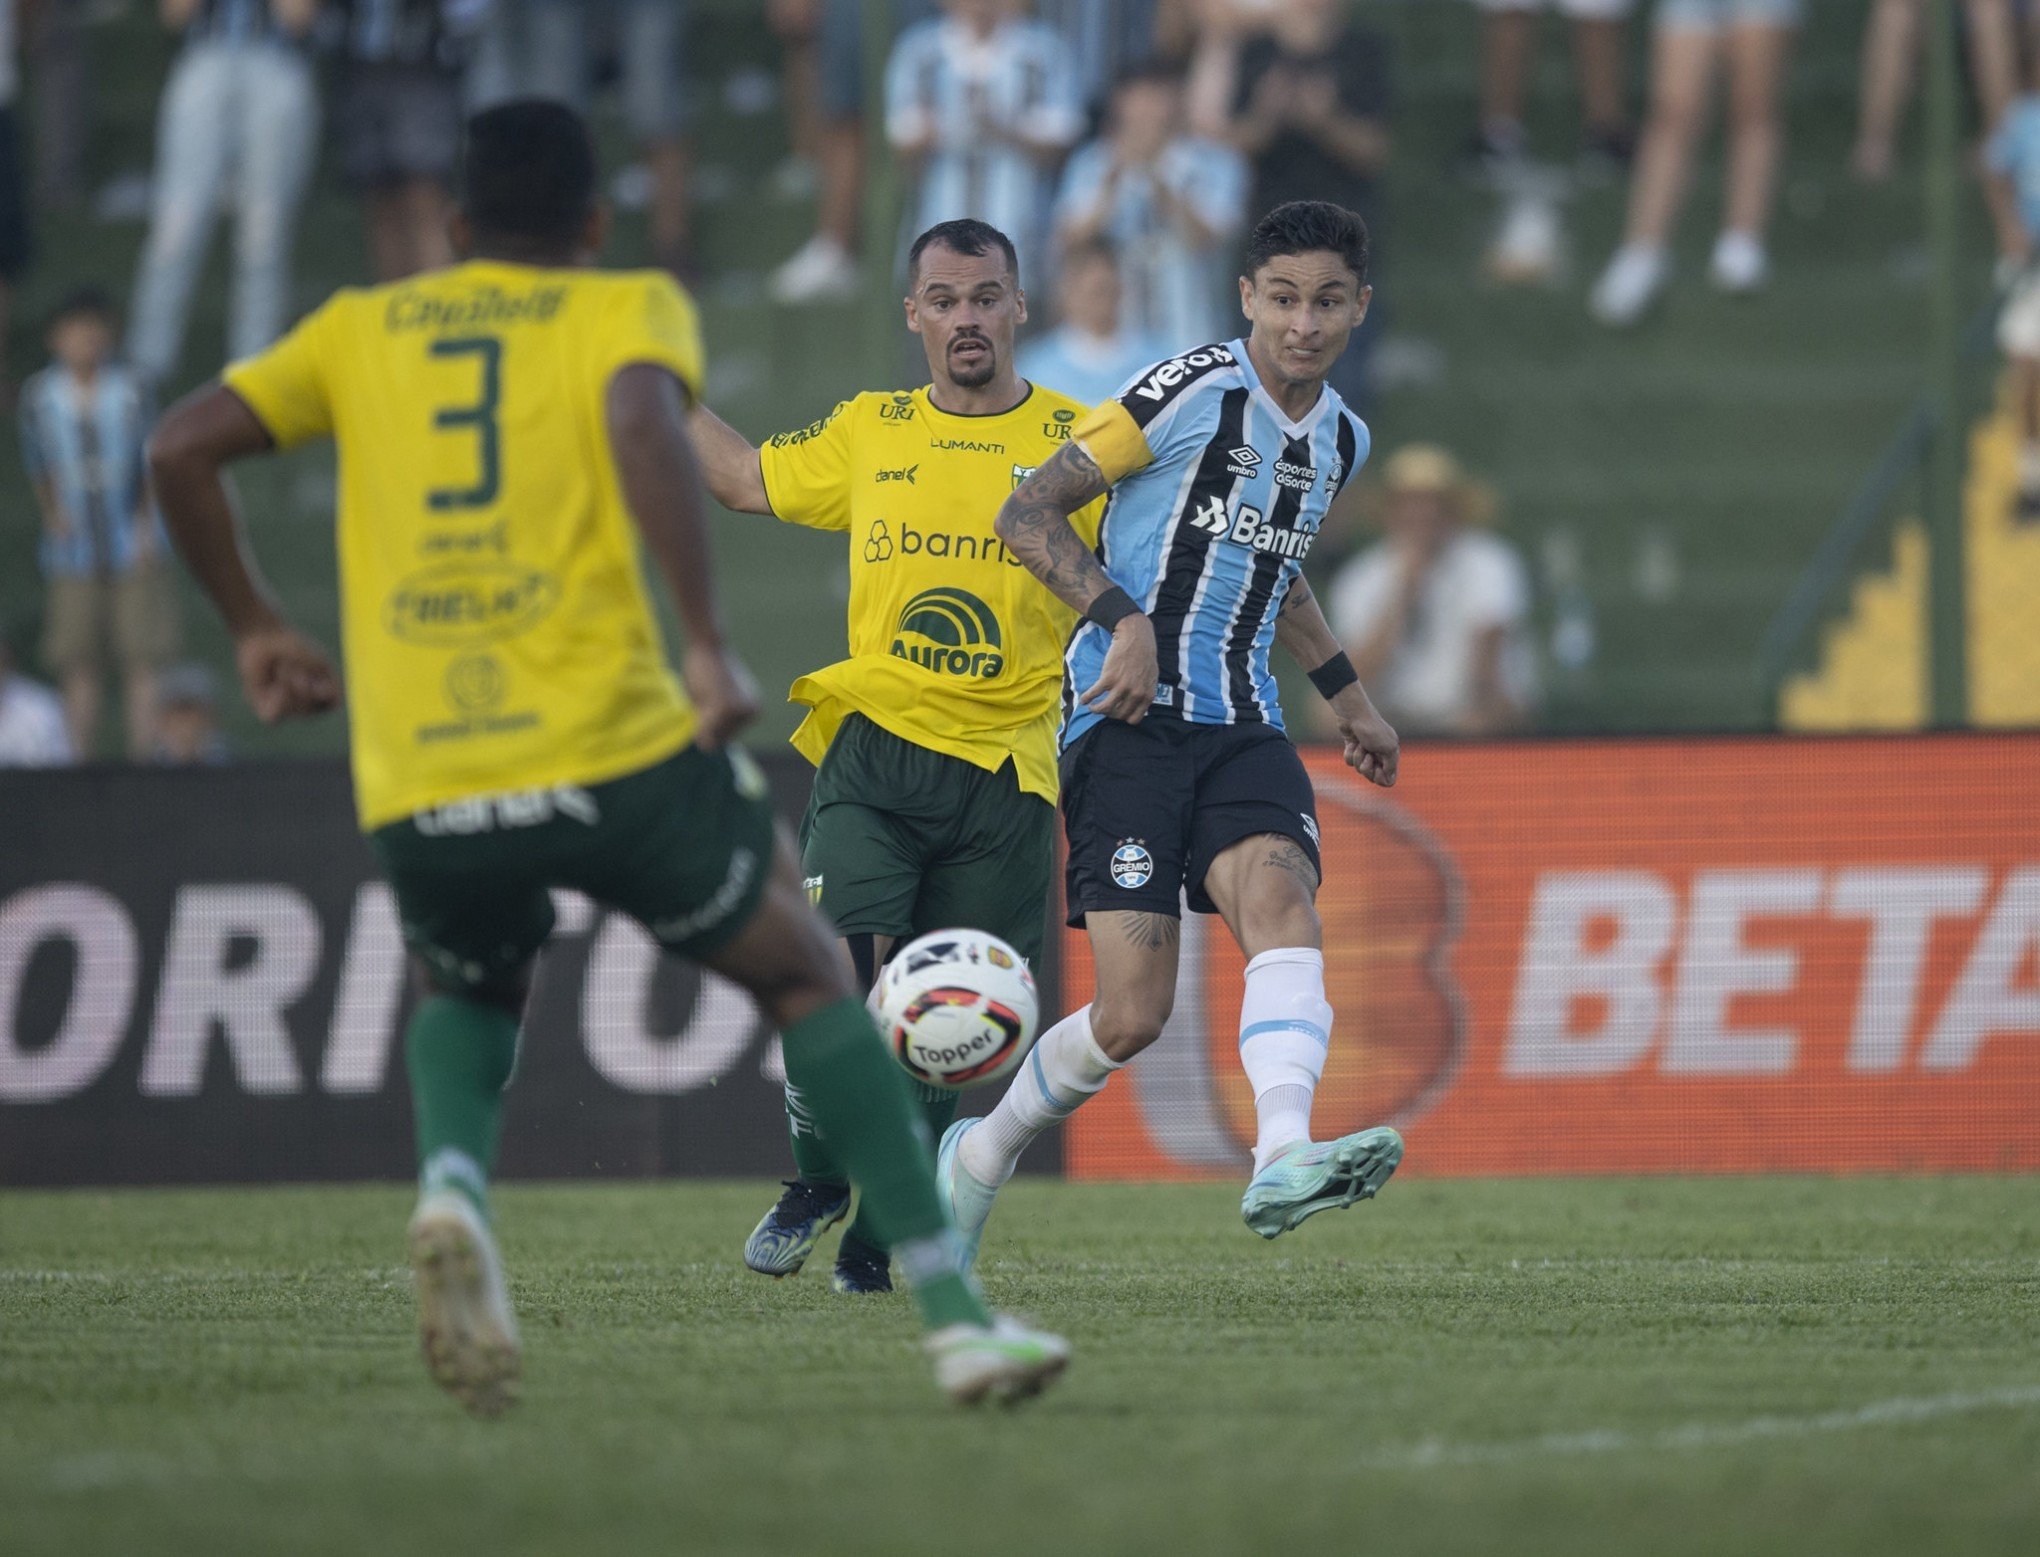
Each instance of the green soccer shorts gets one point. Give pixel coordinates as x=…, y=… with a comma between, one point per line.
x=684, y=847
x=899, y=840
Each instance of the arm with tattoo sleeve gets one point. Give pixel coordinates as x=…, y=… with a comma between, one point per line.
x=1035, y=525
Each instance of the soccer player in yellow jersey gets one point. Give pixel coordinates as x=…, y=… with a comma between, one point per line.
x=934, y=806
x=509, y=430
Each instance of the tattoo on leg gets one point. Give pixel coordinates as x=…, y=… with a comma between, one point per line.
x=1288, y=855
x=1150, y=932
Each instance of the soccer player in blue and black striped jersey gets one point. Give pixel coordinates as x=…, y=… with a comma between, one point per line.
x=1177, y=778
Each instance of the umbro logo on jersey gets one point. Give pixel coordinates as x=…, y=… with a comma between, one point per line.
x=1243, y=461
x=1157, y=384
x=906, y=475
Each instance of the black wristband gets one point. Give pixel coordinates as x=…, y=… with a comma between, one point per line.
x=1111, y=608
x=1334, y=676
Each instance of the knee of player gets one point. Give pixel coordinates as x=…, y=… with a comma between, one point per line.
x=1124, y=1026
x=1290, y=919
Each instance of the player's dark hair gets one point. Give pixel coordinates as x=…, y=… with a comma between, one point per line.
x=528, y=174
x=966, y=235
x=1306, y=227
x=86, y=302
x=1149, y=72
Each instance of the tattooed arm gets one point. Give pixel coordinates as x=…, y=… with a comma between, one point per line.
x=1035, y=525
x=1372, y=747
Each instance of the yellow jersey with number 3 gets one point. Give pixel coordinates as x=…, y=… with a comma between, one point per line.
x=953, y=644
x=498, y=634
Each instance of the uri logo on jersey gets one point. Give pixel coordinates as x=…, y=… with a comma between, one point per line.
x=951, y=632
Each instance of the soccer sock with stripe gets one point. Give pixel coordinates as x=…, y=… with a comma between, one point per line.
x=937, y=1108
x=1065, y=1069
x=460, y=1054
x=1285, y=1032
x=859, y=1101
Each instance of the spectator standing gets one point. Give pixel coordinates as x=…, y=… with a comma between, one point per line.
x=188, y=720
x=550, y=48
x=824, y=85
x=2013, y=157
x=60, y=65
x=1436, y=616
x=32, y=731
x=1508, y=56
x=84, y=422
x=1693, y=39
x=398, y=120
x=1308, y=97
x=1891, y=47
x=983, y=103
x=240, y=114
x=1092, y=353
x=13, y=197
x=1170, y=203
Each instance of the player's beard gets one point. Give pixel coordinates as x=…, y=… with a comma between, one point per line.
x=974, y=377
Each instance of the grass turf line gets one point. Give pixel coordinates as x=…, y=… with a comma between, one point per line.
x=234, y=1370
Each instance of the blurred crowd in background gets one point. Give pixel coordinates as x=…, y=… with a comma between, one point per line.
x=1126, y=146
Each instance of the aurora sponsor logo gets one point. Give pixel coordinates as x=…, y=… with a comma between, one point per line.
x=952, y=633
x=464, y=602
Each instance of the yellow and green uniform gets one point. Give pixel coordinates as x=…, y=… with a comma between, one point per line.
x=954, y=646
x=935, y=738
x=503, y=660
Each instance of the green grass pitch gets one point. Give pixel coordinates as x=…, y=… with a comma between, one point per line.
x=1557, y=1367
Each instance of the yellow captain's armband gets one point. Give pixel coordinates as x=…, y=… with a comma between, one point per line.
x=1114, y=441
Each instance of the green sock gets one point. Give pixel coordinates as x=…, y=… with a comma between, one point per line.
x=812, y=1159
x=937, y=1107
x=859, y=1100
x=460, y=1054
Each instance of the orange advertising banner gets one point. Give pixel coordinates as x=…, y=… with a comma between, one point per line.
x=1709, y=956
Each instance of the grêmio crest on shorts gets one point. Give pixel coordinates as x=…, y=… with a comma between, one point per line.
x=1217, y=496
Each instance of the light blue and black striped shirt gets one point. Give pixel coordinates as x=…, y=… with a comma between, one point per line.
x=86, y=442
x=1209, y=537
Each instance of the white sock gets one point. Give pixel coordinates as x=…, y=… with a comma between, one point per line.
x=1065, y=1069
x=1285, y=1031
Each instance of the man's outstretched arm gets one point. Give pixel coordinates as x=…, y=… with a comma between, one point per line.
x=1372, y=746
x=661, y=482
x=729, y=463
x=284, y=673
x=1035, y=525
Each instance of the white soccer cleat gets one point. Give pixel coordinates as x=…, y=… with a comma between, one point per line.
x=465, y=1326
x=1003, y=1361
x=821, y=270
x=1629, y=285
x=1740, y=265
x=968, y=1202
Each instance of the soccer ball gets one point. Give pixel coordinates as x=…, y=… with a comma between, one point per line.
x=957, y=1008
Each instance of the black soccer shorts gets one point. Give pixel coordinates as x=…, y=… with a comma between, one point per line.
x=1147, y=807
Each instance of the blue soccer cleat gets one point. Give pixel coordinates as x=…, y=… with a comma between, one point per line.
x=1322, y=1176
x=780, y=1244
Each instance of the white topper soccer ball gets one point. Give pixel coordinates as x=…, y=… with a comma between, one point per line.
x=957, y=1008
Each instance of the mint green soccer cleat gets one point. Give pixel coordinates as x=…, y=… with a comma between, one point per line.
x=1309, y=1178
x=966, y=1200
